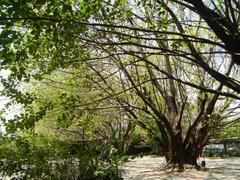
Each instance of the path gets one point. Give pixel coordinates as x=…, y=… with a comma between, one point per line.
x=147, y=168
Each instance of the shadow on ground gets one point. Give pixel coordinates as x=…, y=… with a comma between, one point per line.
x=149, y=167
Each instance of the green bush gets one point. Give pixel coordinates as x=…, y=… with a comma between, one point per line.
x=234, y=153
x=41, y=158
x=229, y=153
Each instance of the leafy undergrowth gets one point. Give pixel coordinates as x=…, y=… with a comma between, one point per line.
x=41, y=158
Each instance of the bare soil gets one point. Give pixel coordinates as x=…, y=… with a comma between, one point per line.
x=152, y=167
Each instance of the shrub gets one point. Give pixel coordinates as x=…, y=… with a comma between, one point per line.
x=41, y=158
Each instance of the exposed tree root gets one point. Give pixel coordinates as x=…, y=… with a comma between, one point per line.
x=175, y=167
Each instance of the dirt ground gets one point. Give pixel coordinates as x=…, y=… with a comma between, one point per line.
x=149, y=168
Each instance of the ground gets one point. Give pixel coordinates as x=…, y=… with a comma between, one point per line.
x=151, y=167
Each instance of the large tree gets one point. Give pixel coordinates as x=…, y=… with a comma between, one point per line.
x=158, y=60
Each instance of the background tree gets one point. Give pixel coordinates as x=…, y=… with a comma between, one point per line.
x=71, y=94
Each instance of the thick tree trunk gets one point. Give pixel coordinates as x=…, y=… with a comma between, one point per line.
x=185, y=159
x=181, y=159
x=179, y=156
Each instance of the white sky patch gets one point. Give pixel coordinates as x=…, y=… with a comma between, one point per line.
x=4, y=100
x=5, y=73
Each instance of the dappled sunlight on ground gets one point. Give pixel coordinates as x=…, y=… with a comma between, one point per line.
x=151, y=167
